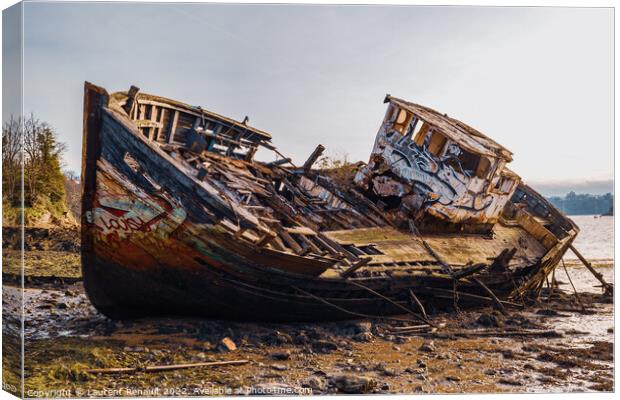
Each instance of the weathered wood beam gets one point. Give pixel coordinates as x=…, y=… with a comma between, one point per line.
x=349, y=271
x=132, y=93
x=288, y=239
x=313, y=157
x=173, y=127
x=607, y=286
x=281, y=161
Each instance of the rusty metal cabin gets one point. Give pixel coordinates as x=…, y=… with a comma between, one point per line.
x=442, y=172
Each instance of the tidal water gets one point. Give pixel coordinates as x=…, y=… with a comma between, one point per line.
x=596, y=238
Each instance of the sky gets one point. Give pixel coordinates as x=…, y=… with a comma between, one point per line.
x=537, y=80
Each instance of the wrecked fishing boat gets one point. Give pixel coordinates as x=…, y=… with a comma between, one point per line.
x=178, y=217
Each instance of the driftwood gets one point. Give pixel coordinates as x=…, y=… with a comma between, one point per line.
x=161, y=368
x=486, y=333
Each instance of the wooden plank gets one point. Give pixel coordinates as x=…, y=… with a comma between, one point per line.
x=291, y=242
x=300, y=230
x=153, y=118
x=355, y=267
x=173, y=128
x=162, y=116
x=313, y=247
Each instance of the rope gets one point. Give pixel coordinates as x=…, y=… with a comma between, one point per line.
x=348, y=311
x=407, y=310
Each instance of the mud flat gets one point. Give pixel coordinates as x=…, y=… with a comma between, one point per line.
x=564, y=348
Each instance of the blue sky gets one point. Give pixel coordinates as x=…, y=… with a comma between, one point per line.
x=538, y=80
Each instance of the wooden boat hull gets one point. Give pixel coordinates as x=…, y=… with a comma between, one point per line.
x=151, y=245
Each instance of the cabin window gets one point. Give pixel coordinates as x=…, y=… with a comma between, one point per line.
x=484, y=166
x=402, y=121
x=463, y=161
x=437, y=143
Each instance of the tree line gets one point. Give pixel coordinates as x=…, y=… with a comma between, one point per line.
x=583, y=204
x=33, y=145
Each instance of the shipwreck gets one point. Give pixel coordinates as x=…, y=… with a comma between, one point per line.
x=178, y=217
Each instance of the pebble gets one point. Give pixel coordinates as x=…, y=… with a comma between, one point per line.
x=428, y=347
x=316, y=383
x=324, y=346
x=353, y=384
x=225, y=345
x=281, y=355
x=279, y=367
x=511, y=382
x=363, y=337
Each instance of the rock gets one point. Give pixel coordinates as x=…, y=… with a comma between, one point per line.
x=363, y=327
x=508, y=354
x=278, y=337
x=548, y=312
x=324, y=346
x=452, y=378
x=363, y=337
x=401, y=339
x=428, y=347
x=301, y=338
x=316, y=384
x=225, y=345
x=279, y=367
x=353, y=384
x=511, y=382
x=488, y=320
x=281, y=355
x=529, y=349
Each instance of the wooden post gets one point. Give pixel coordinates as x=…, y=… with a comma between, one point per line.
x=173, y=127
x=609, y=288
x=250, y=154
x=313, y=157
x=131, y=98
